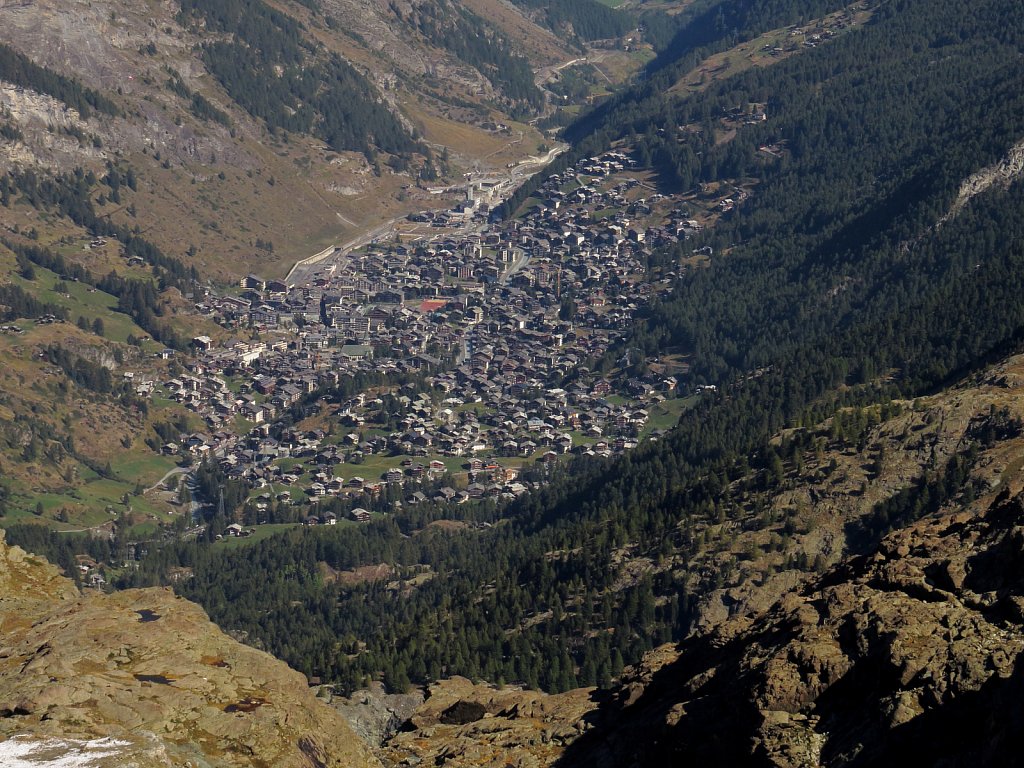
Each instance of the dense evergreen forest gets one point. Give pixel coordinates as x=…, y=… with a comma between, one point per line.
x=269, y=68
x=837, y=284
x=583, y=20
x=470, y=39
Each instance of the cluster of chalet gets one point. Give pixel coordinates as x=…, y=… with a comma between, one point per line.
x=496, y=318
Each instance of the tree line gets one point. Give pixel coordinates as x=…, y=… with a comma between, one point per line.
x=265, y=63
x=18, y=69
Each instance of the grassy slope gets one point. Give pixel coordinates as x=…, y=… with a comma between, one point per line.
x=36, y=400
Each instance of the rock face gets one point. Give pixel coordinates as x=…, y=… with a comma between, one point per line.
x=467, y=724
x=910, y=655
x=376, y=715
x=151, y=675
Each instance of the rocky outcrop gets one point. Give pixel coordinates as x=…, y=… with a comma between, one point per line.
x=375, y=715
x=148, y=673
x=910, y=655
x=1003, y=173
x=467, y=724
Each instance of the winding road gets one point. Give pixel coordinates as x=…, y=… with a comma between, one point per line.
x=170, y=473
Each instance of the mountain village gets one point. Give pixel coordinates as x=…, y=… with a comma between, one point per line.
x=493, y=332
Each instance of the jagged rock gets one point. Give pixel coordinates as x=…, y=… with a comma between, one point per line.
x=375, y=715
x=464, y=724
x=911, y=655
x=151, y=672
x=463, y=712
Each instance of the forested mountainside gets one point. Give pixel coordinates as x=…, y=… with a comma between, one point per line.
x=837, y=292
x=582, y=20
x=684, y=40
x=909, y=653
x=259, y=56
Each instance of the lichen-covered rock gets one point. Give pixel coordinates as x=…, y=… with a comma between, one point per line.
x=376, y=715
x=467, y=724
x=149, y=671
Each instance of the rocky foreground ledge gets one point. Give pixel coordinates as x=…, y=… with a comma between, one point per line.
x=143, y=678
x=910, y=655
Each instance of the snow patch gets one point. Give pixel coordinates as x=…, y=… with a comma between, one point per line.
x=28, y=752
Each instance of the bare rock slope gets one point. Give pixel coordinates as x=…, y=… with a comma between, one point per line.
x=149, y=672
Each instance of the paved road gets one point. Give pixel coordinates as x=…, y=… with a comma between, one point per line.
x=534, y=163
x=521, y=260
x=165, y=478
x=545, y=74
